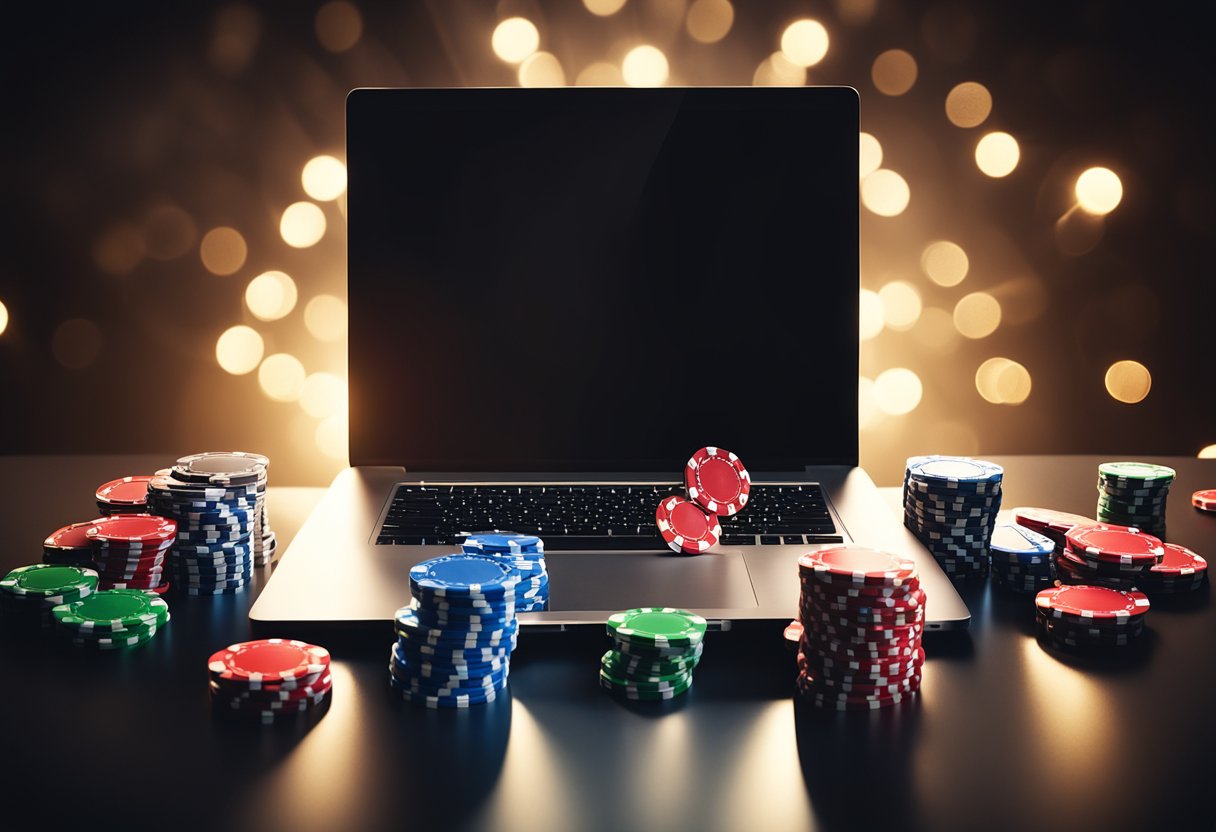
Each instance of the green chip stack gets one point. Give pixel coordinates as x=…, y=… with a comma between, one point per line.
x=655, y=651
x=28, y=593
x=1134, y=494
x=112, y=619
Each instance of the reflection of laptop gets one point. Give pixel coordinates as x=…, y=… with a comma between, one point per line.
x=556, y=296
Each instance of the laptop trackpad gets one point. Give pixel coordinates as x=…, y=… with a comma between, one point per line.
x=581, y=581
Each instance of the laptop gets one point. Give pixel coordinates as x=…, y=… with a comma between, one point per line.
x=558, y=295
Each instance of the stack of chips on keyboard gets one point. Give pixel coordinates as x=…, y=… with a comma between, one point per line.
x=29, y=593
x=1134, y=494
x=527, y=554
x=951, y=504
x=718, y=486
x=454, y=641
x=654, y=652
x=1021, y=558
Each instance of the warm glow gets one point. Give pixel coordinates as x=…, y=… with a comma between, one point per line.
x=515, y=39
x=331, y=437
x=869, y=156
x=541, y=69
x=867, y=407
x=323, y=394
x=271, y=295
x=303, y=225
x=1099, y=190
x=223, y=251
x=339, y=26
x=76, y=343
x=968, y=104
x=805, y=42
x=897, y=391
x=325, y=318
x=870, y=318
x=3, y=317
x=893, y=72
x=239, y=350
x=855, y=12
x=977, y=315
x=1128, y=381
x=600, y=74
x=1208, y=453
x=901, y=305
x=1003, y=381
x=884, y=192
x=168, y=232
x=777, y=71
x=935, y=330
x=644, y=66
x=324, y=178
x=944, y=262
x=281, y=377
x=119, y=249
x=997, y=154
x=708, y=21
x=603, y=8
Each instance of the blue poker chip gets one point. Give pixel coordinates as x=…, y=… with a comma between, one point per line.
x=474, y=693
x=446, y=676
x=446, y=685
x=502, y=542
x=446, y=701
x=475, y=624
x=454, y=655
x=412, y=629
x=429, y=667
x=458, y=605
x=214, y=575
x=463, y=576
x=1021, y=542
x=223, y=590
x=954, y=469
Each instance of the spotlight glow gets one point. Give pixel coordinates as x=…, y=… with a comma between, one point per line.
x=869, y=156
x=324, y=178
x=977, y=315
x=645, y=66
x=901, y=305
x=325, y=318
x=223, y=251
x=897, y=391
x=3, y=317
x=709, y=21
x=1128, y=381
x=805, y=42
x=1001, y=380
x=604, y=8
x=894, y=72
x=541, y=69
x=302, y=225
x=968, y=104
x=1099, y=191
x=884, y=192
x=945, y=263
x=1208, y=453
x=997, y=154
x=271, y=296
x=331, y=437
x=281, y=377
x=515, y=39
x=239, y=350
x=323, y=394
x=867, y=408
x=600, y=74
x=870, y=315
x=777, y=71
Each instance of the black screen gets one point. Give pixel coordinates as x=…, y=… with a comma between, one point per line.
x=602, y=279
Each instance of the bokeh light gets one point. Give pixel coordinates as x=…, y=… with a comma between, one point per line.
x=1208, y=452
x=945, y=263
x=644, y=66
x=281, y=377
x=322, y=395
x=867, y=406
x=235, y=34
x=239, y=350
x=1002, y=380
x=600, y=74
x=541, y=69
x=339, y=26
x=856, y=12
x=325, y=318
x=869, y=156
x=885, y=193
x=515, y=39
x=1099, y=190
x=777, y=71
x=968, y=104
x=3, y=317
x=223, y=251
x=977, y=315
x=120, y=249
x=1128, y=381
x=168, y=232
x=271, y=295
x=709, y=21
x=870, y=315
x=332, y=437
x=897, y=391
x=324, y=178
x=302, y=225
x=604, y=8
x=901, y=305
x=997, y=154
x=935, y=330
x=76, y=343
x=805, y=42
x=893, y=72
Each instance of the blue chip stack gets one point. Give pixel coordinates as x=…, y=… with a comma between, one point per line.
x=527, y=554
x=1021, y=558
x=951, y=504
x=455, y=639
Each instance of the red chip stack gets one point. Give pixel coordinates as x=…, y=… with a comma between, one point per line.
x=1106, y=555
x=126, y=495
x=718, y=486
x=862, y=612
x=1090, y=617
x=129, y=551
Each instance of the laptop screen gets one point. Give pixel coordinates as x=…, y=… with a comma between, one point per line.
x=579, y=280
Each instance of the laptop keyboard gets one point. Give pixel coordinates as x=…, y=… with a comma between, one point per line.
x=595, y=516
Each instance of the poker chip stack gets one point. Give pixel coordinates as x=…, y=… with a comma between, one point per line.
x=718, y=486
x=238, y=464
x=527, y=554
x=1180, y=570
x=129, y=551
x=1021, y=558
x=1134, y=494
x=862, y=613
x=29, y=593
x=1205, y=500
x=1106, y=555
x=112, y=619
x=270, y=680
x=1090, y=617
x=455, y=639
x=128, y=495
x=69, y=546
x=1049, y=523
x=654, y=652
x=951, y=504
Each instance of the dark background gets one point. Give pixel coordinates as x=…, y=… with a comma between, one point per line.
x=123, y=118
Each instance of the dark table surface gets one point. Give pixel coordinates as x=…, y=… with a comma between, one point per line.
x=1005, y=734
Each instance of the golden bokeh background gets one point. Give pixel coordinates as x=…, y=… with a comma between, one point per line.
x=1035, y=185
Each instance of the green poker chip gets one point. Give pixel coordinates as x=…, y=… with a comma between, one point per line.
x=646, y=687
x=112, y=610
x=632, y=665
x=634, y=693
x=1137, y=472
x=45, y=580
x=659, y=628
x=122, y=640
x=612, y=664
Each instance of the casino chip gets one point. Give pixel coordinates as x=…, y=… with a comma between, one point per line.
x=29, y=593
x=686, y=527
x=654, y=652
x=527, y=554
x=1180, y=570
x=270, y=679
x=1205, y=500
x=717, y=481
x=1107, y=555
x=951, y=504
x=1134, y=494
x=1087, y=617
x=1021, y=559
x=69, y=546
x=129, y=551
x=128, y=495
x=861, y=616
x=112, y=619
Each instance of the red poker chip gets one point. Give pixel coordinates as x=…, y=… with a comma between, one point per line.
x=267, y=695
x=70, y=538
x=1178, y=562
x=1044, y=520
x=842, y=689
x=267, y=660
x=1081, y=560
x=686, y=527
x=861, y=592
x=857, y=565
x=717, y=481
x=882, y=604
x=1080, y=601
x=863, y=623
x=1119, y=544
x=128, y=491
x=1204, y=500
x=861, y=668
x=793, y=632
x=132, y=528
x=845, y=651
